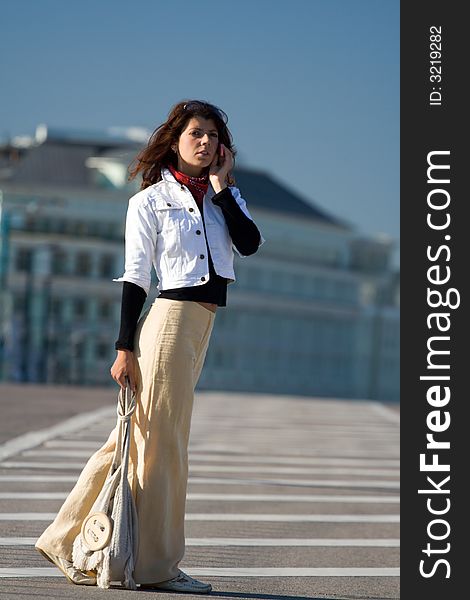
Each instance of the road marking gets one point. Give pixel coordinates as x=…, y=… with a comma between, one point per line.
x=73, y=444
x=324, y=431
x=312, y=451
x=245, y=426
x=269, y=421
x=294, y=460
x=60, y=453
x=39, y=478
x=328, y=483
x=293, y=470
x=296, y=572
x=328, y=518
x=280, y=542
x=41, y=465
x=211, y=468
x=390, y=434
x=34, y=438
x=240, y=572
x=33, y=516
x=323, y=518
x=228, y=497
x=234, y=453
x=378, y=452
x=380, y=484
x=294, y=498
x=195, y=457
x=17, y=541
x=33, y=495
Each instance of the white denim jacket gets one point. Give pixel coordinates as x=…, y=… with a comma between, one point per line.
x=164, y=227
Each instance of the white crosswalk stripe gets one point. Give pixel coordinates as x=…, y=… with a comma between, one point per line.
x=236, y=572
x=67, y=447
x=195, y=468
x=280, y=542
x=257, y=517
x=328, y=483
x=230, y=497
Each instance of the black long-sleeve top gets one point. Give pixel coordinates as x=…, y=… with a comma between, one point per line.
x=246, y=238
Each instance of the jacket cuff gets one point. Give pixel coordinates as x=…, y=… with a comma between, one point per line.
x=224, y=198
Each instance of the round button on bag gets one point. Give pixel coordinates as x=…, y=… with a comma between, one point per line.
x=96, y=530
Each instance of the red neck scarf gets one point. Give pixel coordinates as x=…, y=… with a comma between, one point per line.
x=197, y=185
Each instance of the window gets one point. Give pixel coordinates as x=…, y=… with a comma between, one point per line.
x=78, y=349
x=53, y=344
x=105, y=309
x=106, y=266
x=19, y=304
x=41, y=223
x=58, y=261
x=111, y=230
x=80, y=307
x=57, y=225
x=56, y=308
x=24, y=260
x=102, y=349
x=82, y=228
x=83, y=264
x=70, y=227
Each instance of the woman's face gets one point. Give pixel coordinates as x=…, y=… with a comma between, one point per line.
x=197, y=146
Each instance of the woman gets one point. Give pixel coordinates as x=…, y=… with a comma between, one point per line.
x=185, y=221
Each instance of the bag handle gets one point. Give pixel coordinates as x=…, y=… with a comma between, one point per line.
x=126, y=402
x=125, y=408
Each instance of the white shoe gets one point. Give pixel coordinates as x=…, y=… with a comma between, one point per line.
x=180, y=583
x=66, y=566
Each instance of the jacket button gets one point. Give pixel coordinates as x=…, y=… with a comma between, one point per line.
x=168, y=204
x=201, y=256
x=203, y=278
x=191, y=210
x=198, y=232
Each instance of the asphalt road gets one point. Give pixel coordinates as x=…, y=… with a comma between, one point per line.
x=287, y=496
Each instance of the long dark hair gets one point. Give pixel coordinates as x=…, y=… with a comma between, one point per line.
x=158, y=152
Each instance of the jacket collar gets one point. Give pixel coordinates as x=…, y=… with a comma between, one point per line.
x=168, y=176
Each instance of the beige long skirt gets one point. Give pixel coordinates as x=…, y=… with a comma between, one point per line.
x=171, y=342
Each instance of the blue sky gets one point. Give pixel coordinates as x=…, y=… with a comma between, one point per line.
x=311, y=87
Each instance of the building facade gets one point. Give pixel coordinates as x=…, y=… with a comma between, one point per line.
x=314, y=312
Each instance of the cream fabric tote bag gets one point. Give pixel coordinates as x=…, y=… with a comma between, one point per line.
x=108, y=540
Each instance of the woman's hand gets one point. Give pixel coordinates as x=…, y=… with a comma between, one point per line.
x=124, y=367
x=220, y=166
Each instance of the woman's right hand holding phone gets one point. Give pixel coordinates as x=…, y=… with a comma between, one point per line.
x=220, y=166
